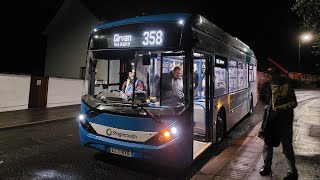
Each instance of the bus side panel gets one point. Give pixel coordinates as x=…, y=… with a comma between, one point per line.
x=239, y=107
x=254, y=92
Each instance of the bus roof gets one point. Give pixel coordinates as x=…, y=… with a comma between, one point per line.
x=175, y=17
x=171, y=17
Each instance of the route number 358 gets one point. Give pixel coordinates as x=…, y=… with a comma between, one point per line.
x=152, y=38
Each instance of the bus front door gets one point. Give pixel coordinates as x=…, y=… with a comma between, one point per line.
x=201, y=106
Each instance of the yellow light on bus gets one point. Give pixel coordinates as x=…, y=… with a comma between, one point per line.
x=218, y=105
x=166, y=134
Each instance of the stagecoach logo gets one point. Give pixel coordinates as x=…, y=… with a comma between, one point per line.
x=112, y=133
x=122, y=40
x=109, y=132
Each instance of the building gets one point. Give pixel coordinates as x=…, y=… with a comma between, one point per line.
x=67, y=36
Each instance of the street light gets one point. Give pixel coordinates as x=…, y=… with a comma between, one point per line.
x=303, y=38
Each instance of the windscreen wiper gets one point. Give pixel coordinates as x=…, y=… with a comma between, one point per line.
x=147, y=112
x=95, y=107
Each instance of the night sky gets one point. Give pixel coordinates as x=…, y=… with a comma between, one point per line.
x=270, y=28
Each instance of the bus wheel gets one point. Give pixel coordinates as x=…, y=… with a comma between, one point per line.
x=220, y=126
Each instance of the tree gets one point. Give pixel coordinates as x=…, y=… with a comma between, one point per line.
x=309, y=11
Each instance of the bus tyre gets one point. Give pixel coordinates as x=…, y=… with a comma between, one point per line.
x=220, y=126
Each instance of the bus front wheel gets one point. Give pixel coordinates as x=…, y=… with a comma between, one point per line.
x=221, y=126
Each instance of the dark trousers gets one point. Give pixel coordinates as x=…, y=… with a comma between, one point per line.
x=286, y=140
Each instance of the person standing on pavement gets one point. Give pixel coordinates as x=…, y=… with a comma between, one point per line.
x=282, y=101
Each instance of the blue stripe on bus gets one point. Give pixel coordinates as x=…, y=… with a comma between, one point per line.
x=152, y=18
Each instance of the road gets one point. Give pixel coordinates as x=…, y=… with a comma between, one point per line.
x=52, y=151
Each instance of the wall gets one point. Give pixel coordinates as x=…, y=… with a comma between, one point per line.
x=63, y=92
x=68, y=35
x=14, y=92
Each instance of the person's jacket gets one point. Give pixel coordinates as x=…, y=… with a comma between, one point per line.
x=284, y=100
x=284, y=97
x=167, y=89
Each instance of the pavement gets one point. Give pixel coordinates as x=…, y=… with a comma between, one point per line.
x=24, y=117
x=241, y=160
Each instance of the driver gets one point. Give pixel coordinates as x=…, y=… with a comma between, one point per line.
x=127, y=86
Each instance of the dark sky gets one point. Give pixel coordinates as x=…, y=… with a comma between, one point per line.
x=270, y=28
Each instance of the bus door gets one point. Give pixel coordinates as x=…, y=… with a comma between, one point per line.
x=183, y=109
x=201, y=92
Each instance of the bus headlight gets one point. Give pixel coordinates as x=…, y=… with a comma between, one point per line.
x=164, y=136
x=173, y=130
x=85, y=124
x=81, y=119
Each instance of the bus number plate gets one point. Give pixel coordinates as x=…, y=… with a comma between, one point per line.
x=121, y=152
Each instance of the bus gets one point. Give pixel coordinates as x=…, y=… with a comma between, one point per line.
x=164, y=88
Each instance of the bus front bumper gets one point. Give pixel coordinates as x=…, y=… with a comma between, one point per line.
x=169, y=154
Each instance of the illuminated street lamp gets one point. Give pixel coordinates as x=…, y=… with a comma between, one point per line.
x=303, y=38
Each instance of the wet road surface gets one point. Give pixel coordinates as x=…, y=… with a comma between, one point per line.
x=52, y=151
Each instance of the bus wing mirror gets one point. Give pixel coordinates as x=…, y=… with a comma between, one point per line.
x=146, y=59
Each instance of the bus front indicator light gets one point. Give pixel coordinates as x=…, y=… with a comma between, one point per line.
x=167, y=134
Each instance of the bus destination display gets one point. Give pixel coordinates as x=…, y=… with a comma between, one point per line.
x=143, y=35
x=149, y=38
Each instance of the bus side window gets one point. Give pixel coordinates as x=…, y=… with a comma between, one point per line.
x=251, y=73
x=240, y=75
x=245, y=75
x=220, y=76
x=233, y=80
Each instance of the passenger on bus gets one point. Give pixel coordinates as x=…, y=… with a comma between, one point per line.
x=127, y=86
x=172, y=87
